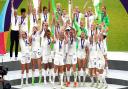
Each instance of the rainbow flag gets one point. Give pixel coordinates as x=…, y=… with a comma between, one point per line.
x=5, y=19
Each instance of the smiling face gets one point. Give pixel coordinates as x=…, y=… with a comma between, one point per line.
x=58, y=23
x=15, y=12
x=68, y=22
x=64, y=12
x=45, y=25
x=61, y=35
x=48, y=34
x=45, y=11
x=34, y=11
x=24, y=35
x=77, y=9
x=93, y=26
x=58, y=6
x=23, y=14
x=35, y=30
x=82, y=23
x=103, y=9
x=82, y=35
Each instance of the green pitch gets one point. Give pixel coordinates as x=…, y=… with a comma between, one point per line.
x=118, y=29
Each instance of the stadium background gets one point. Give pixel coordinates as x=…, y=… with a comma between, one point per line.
x=118, y=29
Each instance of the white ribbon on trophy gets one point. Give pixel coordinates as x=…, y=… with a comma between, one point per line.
x=69, y=9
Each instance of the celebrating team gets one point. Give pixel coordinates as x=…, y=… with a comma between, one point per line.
x=64, y=44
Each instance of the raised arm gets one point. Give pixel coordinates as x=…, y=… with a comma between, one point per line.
x=56, y=34
x=49, y=6
x=77, y=27
x=53, y=19
x=69, y=9
x=29, y=6
x=12, y=7
x=53, y=25
x=30, y=40
x=12, y=4
x=87, y=50
x=40, y=6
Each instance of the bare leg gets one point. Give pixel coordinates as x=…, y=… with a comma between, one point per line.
x=33, y=71
x=27, y=71
x=61, y=74
x=22, y=73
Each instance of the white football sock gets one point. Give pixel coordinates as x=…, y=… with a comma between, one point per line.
x=65, y=77
x=84, y=76
x=51, y=73
x=26, y=78
x=68, y=76
x=80, y=74
x=92, y=79
x=22, y=79
x=54, y=77
x=75, y=76
x=33, y=73
x=45, y=74
x=61, y=78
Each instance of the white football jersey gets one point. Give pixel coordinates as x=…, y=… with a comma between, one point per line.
x=93, y=50
x=33, y=22
x=82, y=44
x=46, y=46
x=91, y=33
x=24, y=24
x=65, y=18
x=15, y=21
x=59, y=47
x=24, y=44
x=42, y=35
x=78, y=17
x=101, y=48
x=36, y=41
x=71, y=46
x=45, y=18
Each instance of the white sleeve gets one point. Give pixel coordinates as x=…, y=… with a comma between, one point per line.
x=21, y=42
x=104, y=51
x=49, y=28
x=86, y=43
x=42, y=33
x=19, y=19
x=69, y=9
x=42, y=42
x=55, y=45
x=66, y=49
x=27, y=25
x=12, y=14
x=48, y=18
x=42, y=18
